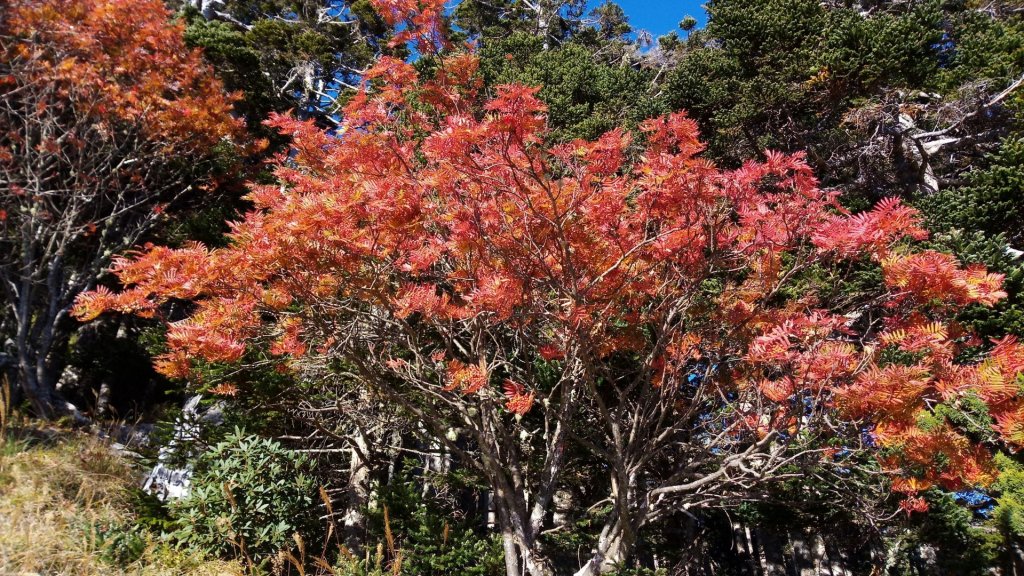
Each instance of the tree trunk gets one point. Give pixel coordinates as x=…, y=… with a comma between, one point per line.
x=1016, y=558
x=564, y=507
x=42, y=330
x=103, y=399
x=613, y=549
x=535, y=563
x=40, y=396
x=771, y=558
x=522, y=550
x=508, y=543
x=354, y=521
x=39, y=372
x=804, y=559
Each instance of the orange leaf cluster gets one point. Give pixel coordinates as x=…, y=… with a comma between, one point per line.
x=873, y=232
x=466, y=378
x=120, y=61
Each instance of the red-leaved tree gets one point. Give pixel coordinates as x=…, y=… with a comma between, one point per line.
x=622, y=298
x=106, y=119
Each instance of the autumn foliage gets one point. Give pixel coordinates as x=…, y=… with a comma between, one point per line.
x=418, y=22
x=118, y=62
x=107, y=120
x=441, y=250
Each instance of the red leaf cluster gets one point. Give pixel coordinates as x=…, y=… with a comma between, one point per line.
x=420, y=22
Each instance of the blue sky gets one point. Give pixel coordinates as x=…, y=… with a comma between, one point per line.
x=660, y=16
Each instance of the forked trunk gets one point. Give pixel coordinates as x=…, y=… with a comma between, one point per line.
x=522, y=550
x=38, y=386
x=613, y=549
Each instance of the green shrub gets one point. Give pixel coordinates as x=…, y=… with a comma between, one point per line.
x=249, y=495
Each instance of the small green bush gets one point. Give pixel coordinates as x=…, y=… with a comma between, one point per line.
x=249, y=495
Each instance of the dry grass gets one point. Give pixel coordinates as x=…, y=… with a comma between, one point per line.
x=57, y=492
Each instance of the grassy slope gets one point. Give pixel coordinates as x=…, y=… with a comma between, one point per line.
x=59, y=494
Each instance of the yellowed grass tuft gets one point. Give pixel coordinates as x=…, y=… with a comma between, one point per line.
x=56, y=494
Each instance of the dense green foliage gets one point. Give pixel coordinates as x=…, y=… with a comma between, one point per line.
x=1010, y=512
x=983, y=221
x=585, y=96
x=949, y=533
x=248, y=496
x=779, y=74
x=833, y=79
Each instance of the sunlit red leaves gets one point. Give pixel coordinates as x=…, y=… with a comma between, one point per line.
x=422, y=299
x=174, y=364
x=417, y=21
x=518, y=112
x=676, y=134
x=289, y=342
x=1000, y=373
x=603, y=157
x=803, y=354
x=89, y=305
x=498, y=294
x=794, y=337
x=923, y=336
x=777, y=390
x=672, y=365
x=925, y=449
x=893, y=391
x=935, y=278
x=912, y=504
x=1000, y=381
x=108, y=110
x=874, y=232
x=419, y=258
x=218, y=332
x=936, y=455
x=456, y=86
x=761, y=423
x=518, y=399
x=550, y=352
x=910, y=485
x=778, y=203
x=811, y=354
x=224, y=389
x=276, y=297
